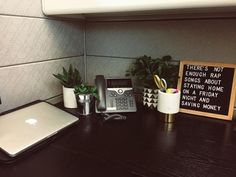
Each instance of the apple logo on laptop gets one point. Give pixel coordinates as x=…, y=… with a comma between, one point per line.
x=31, y=121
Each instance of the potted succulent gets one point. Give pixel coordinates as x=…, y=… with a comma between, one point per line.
x=145, y=67
x=69, y=78
x=85, y=95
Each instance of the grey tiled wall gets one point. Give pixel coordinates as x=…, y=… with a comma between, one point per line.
x=32, y=48
x=28, y=82
x=112, y=45
x=206, y=39
x=108, y=66
x=21, y=7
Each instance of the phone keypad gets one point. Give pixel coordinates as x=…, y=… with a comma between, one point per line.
x=131, y=103
x=128, y=94
x=113, y=94
x=122, y=103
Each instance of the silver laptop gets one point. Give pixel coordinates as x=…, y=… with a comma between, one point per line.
x=23, y=128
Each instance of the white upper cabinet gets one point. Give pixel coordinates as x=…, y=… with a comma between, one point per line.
x=70, y=7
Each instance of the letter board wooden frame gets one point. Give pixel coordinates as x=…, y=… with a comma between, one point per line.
x=207, y=88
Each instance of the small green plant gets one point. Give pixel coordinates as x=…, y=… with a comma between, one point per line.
x=69, y=78
x=145, y=67
x=86, y=89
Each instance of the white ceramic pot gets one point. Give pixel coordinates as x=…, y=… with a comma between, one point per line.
x=168, y=103
x=69, y=98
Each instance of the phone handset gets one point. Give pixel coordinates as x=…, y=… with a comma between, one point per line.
x=101, y=85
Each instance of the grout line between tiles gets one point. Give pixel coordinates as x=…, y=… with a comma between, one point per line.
x=119, y=57
x=42, y=61
x=85, y=52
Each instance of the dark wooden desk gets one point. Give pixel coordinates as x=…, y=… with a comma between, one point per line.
x=140, y=146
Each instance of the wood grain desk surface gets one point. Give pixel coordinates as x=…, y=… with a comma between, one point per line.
x=142, y=146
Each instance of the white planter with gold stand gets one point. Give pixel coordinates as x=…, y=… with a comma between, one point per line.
x=168, y=105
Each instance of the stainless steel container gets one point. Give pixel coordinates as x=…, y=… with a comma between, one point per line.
x=85, y=104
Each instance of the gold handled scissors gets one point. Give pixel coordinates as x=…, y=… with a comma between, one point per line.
x=160, y=82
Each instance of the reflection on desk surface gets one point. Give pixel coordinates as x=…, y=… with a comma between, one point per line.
x=141, y=145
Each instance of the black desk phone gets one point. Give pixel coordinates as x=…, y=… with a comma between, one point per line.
x=115, y=95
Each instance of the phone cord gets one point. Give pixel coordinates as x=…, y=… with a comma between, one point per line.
x=113, y=117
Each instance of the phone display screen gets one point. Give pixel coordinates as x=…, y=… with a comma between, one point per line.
x=119, y=83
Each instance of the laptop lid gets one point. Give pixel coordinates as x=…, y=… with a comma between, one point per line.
x=23, y=128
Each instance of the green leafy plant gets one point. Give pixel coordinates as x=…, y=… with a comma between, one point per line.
x=69, y=78
x=85, y=89
x=145, y=67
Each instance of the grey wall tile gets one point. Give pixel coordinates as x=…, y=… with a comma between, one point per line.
x=212, y=40
x=25, y=83
x=32, y=39
x=109, y=67
x=32, y=47
x=21, y=7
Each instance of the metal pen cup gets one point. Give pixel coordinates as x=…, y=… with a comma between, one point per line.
x=85, y=103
